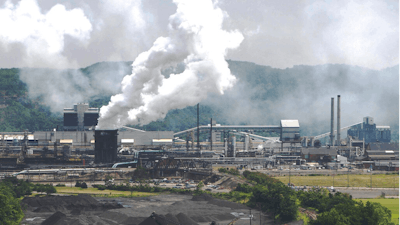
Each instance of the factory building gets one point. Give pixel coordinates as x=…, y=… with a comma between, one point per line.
x=126, y=138
x=138, y=138
x=290, y=131
x=80, y=118
x=370, y=132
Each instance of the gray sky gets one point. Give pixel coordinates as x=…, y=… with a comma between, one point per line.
x=278, y=33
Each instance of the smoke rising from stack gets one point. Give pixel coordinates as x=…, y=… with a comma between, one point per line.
x=195, y=38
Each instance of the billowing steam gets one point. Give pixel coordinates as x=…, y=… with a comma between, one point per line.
x=40, y=36
x=197, y=39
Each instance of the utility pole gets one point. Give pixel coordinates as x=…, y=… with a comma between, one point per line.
x=370, y=170
x=348, y=180
x=250, y=216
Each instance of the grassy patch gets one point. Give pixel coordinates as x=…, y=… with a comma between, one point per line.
x=391, y=204
x=354, y=180
x=104, y=193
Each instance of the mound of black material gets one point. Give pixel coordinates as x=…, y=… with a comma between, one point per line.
x=133, y=220
x=202, y=197
x=169, y=219
x=75, y=212
x=67, y=203
x=218, y=202
x=156, y=219
x=184, y=219
x=53, y=219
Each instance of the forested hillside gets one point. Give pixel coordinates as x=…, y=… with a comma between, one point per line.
x=262, y=95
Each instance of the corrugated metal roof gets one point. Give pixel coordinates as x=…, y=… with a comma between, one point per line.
x=290, y=123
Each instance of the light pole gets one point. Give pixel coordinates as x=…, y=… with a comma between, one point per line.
x=371, y=177
x=348, y=180
x=250, y=216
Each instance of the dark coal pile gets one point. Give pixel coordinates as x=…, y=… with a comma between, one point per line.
x=184, y=219
x=75, y=204
x=218, y=202
x=170, y=209
x=169, y=219
x=53, y=219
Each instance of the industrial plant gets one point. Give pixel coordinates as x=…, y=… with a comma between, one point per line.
x=78, y=144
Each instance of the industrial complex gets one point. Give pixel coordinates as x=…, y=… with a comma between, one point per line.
x=79, y=145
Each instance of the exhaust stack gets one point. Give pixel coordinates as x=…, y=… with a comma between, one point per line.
x=338, y=120
x=332, y=120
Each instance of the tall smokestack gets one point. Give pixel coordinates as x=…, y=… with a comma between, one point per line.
x=338, y=120
x=211, y=136
x=332, y=120
x=198, y=127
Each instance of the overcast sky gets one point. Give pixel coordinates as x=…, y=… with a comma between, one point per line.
x=280, y=33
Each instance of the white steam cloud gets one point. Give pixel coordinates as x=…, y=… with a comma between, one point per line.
x=42, y=35
x=197, y=39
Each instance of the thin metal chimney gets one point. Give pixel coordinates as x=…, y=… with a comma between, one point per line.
x=338, y=120
x=198, y=127
x=211, y=136
x=332, y=120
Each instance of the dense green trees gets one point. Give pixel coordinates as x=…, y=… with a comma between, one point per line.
x=10, y=208
x=340, y=209
x=229, y=171
x=17, y=111
x=355, y=214
x=11, y=189
x=272, y=196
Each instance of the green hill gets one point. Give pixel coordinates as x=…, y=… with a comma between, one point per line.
x=262, y=95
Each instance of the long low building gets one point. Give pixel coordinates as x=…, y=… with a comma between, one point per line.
x=86, y=138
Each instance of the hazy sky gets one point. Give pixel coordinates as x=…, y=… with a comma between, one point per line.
x=280, y=33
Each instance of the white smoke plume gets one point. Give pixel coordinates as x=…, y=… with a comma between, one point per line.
x=197, y=39
x=41, y=35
